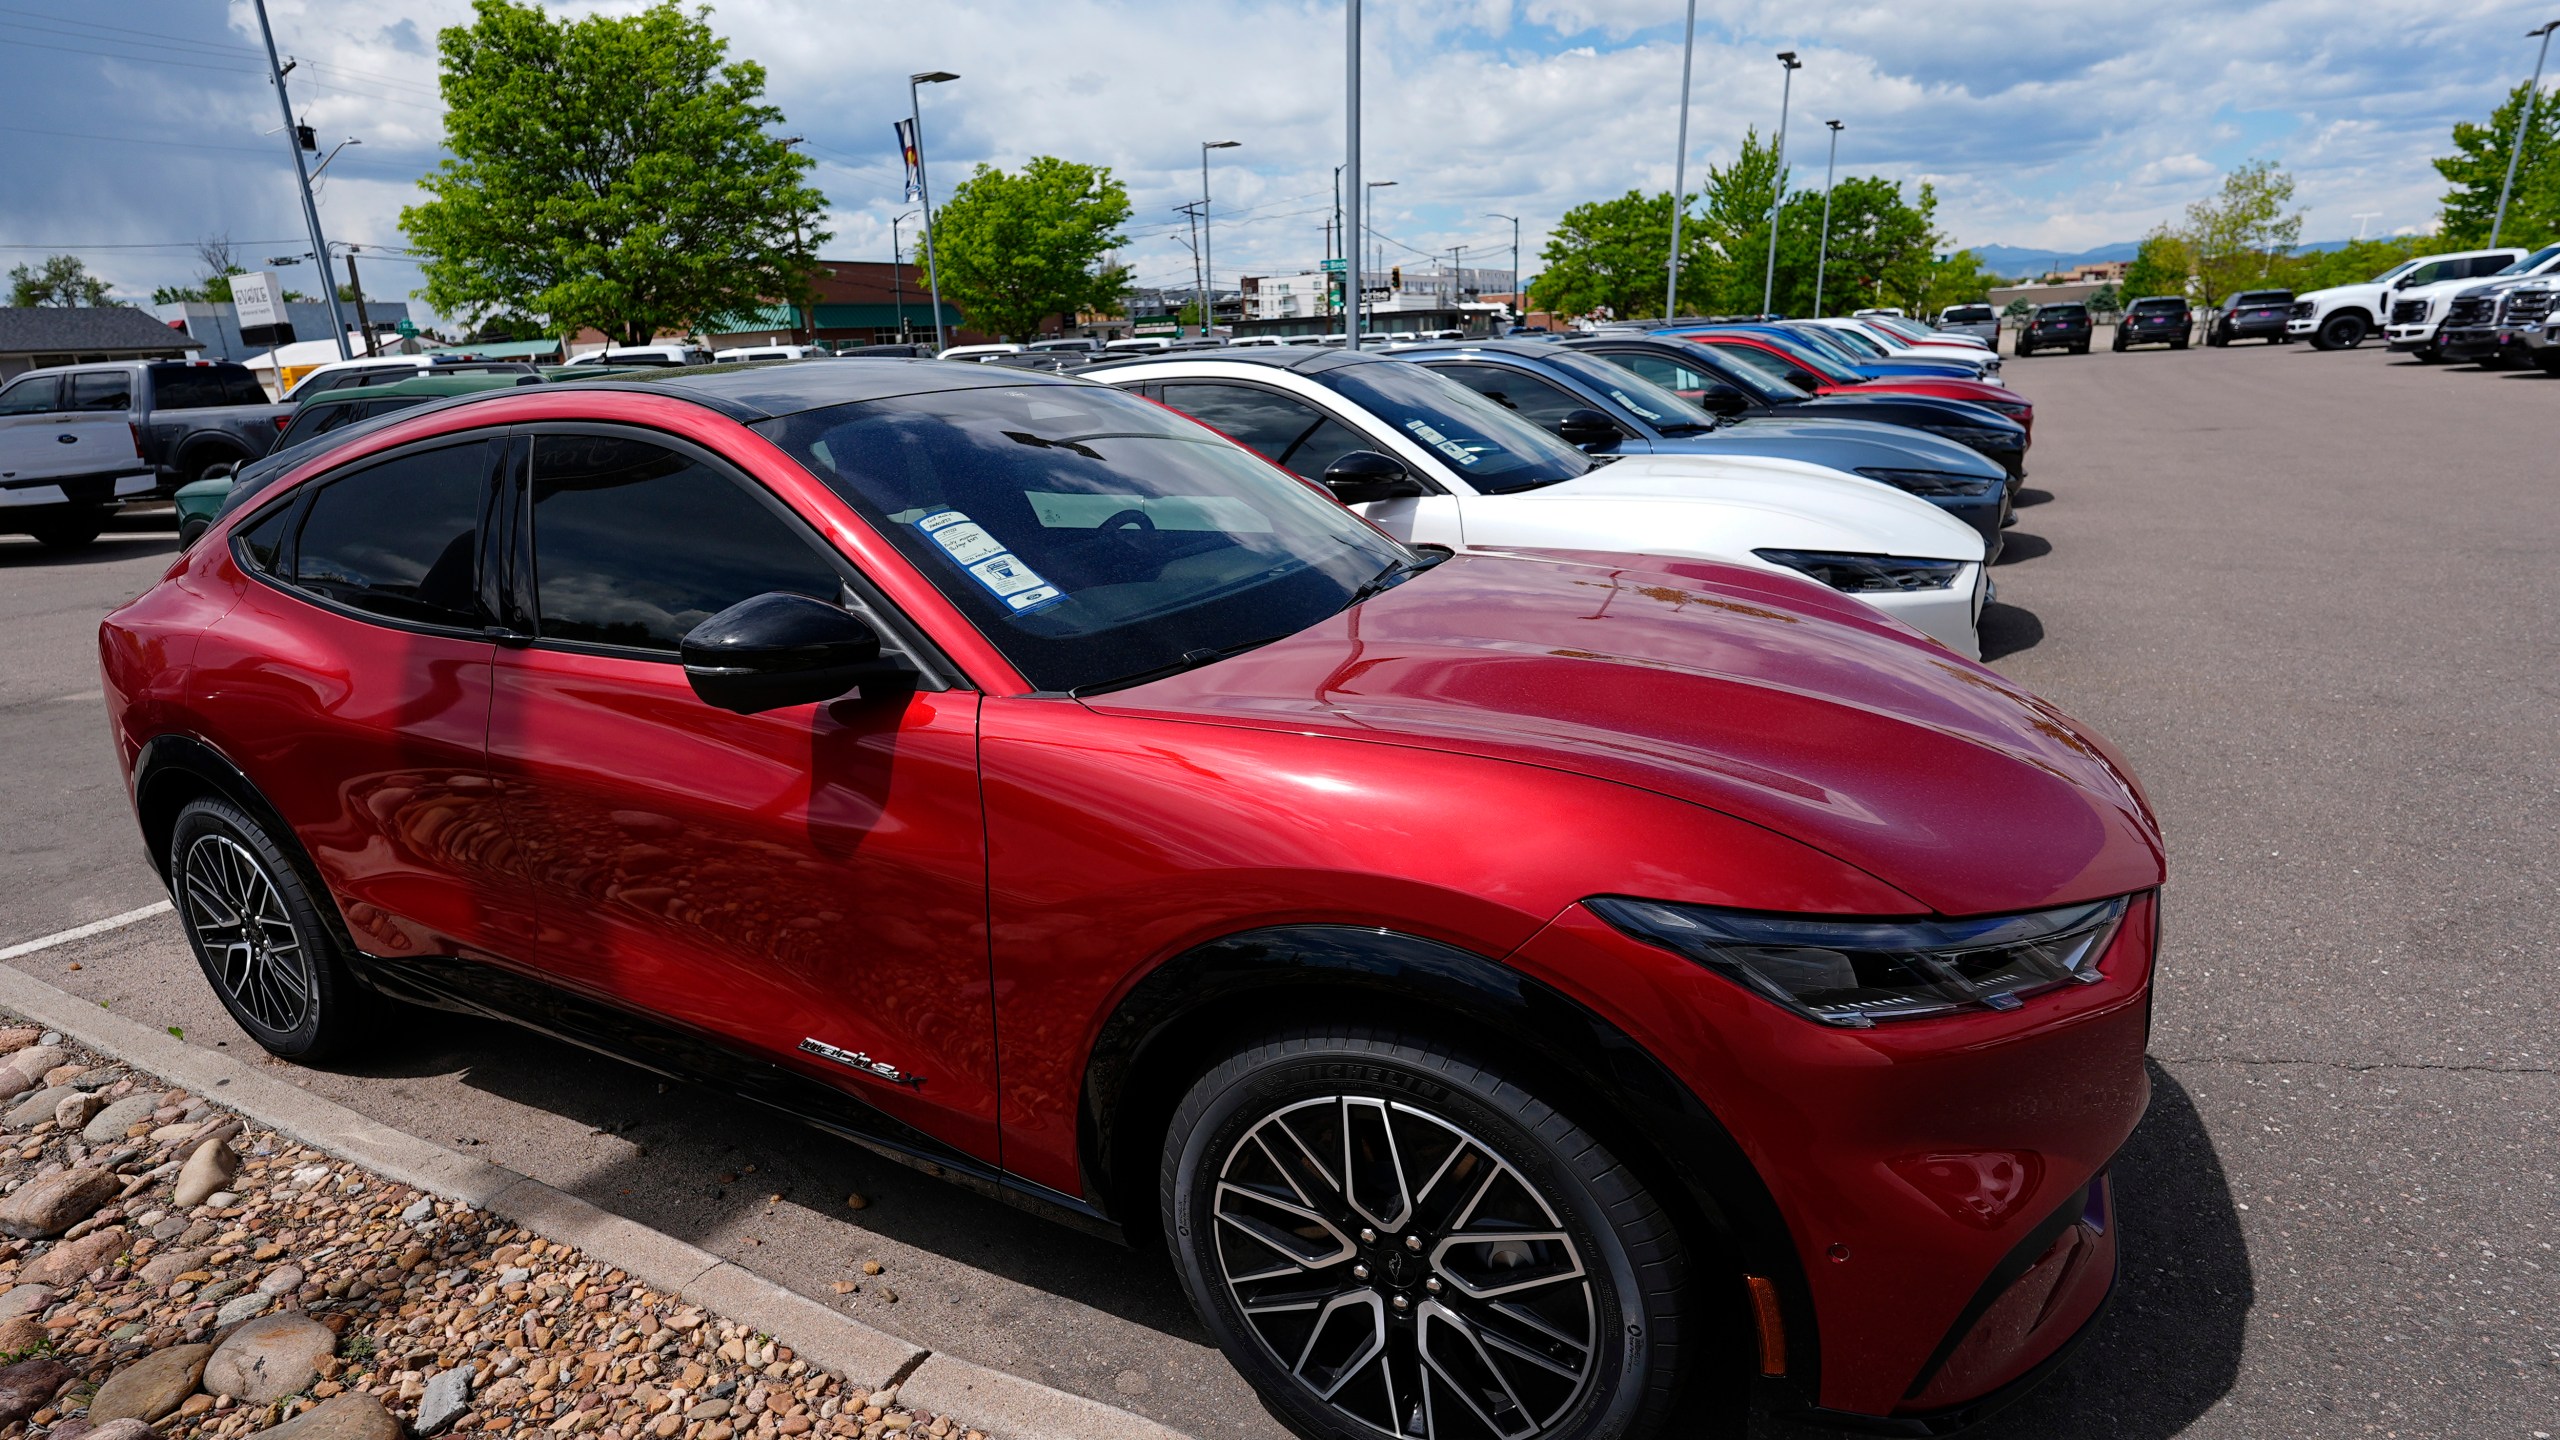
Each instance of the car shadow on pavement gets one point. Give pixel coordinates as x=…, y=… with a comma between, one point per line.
x=107, y=549
x=2168, y=1346
x=2018, y=545
x=2029, y=495
x=2008, y=629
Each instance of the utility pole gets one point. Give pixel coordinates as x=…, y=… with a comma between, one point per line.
x=1199, y=299
x=1679, y=174
x=1351, y=161
x=898, y=271
x=1778, y=182
x=2532, y=93
x=1455, y=254
x=1208, y=266
x=1823, y=263
x=924, y=193
x=1519, y=302
x=310, y=212
x=355, y=282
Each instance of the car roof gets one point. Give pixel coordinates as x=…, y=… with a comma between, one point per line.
x=428, y=386
x=1304, y=359
x=762, y=390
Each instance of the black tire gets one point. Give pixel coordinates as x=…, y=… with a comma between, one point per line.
x=1615, y=1264
x=2080, y=349
x=2339, y=332
x=2118, y=345
x=72, y=530
x=2025, y=349
x=2430, y=353
x=270, y=957
x=192, y=529
x=2547, y=360
x=2178, y=344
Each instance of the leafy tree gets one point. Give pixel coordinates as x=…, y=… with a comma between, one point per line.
x=2107, y=298
x=2352, y=263
x=1613, y=255
x=2235, y=236
x=1958, y=279
x=1019, y=248
x=610, y=171
x=2160, y=266
x=60, y=281
x=2478, y=167
x=1736, y=224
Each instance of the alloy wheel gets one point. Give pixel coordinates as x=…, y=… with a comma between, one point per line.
x=241, y=921
x=1411, y=1278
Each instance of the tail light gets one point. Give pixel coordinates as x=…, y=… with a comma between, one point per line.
x=281, y=422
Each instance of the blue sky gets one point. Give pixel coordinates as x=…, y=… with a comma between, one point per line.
x=139, y=127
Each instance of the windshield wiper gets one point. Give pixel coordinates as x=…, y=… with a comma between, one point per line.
x=1683, y=427
x=1395, y=573
x=1191, y=660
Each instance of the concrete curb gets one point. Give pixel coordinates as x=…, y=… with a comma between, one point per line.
x=1005, y=1405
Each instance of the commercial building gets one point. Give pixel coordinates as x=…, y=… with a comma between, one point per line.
x=39, y=335
x=216, y=325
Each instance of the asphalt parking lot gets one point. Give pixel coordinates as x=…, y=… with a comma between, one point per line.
x=2313, y=597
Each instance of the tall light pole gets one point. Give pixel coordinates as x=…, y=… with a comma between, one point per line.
x=1778, y=185
x=898, y=269
x=1209, y=303
x=310, y=212
x=924, y=192
x=1457, y=258
x=1519, y=302
x=2532, y=93
x=1679, y=172
x=1369, y=237
x=1823, y=261
x=1351, y=165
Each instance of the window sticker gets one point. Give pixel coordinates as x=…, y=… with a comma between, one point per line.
x=1440, y=442
x=988, y=562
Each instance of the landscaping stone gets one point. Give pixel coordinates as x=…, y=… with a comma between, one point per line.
x=25, y=1300
x=240, y=1308
x=446, y=1396
x=358, y=1416
x=206, y=1172
x=55, y=1203
x=29, y=1385
x=18, y=1037
x=268, y=1359
x=162, y=1268
x=20, y=1334
x=73, y=1110
x=153, y=1386
x=110, y=1430
x=108, y=1125
x=38, y=1105
x=29, y=1065
x=68, y=1260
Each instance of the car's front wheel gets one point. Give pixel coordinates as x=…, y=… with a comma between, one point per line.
x=1389, y=1239
x=2340, y=332
x=271, y=959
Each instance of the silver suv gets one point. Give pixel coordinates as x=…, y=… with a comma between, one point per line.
x=1979, y=321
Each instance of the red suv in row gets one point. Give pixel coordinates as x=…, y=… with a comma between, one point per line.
x=1528, y=996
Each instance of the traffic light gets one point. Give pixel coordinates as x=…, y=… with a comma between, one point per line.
x=1395, y=277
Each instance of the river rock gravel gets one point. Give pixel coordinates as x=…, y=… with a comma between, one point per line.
x=388, y=1299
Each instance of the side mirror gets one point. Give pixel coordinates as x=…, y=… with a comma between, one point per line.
x=777, y=650
x=1719, y=402
x=1589, y=429
x=1365, y=475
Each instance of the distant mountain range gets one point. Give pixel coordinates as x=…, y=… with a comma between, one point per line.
x=2017, y=260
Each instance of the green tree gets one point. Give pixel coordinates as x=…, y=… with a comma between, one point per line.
x=2235, y=236
x=213, y=285
x=1017, y=248
x=61, y=280
x=2478, y=167
x=1958, y=279
x=610, y=171
x=1614, y=255
x=2160, y=266
x=1736, y=225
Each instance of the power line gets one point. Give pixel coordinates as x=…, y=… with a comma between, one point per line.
x=386, y=166
x=55, y=24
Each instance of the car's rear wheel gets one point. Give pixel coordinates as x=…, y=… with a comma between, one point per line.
x=71, y=530
x=192, y=529
x=1390, y=1240
x=2339, y=332
x=270, y=957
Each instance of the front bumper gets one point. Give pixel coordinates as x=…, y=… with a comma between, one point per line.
x=2409, y=337
x=2477, y=342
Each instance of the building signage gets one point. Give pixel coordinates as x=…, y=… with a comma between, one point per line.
x=258, y=298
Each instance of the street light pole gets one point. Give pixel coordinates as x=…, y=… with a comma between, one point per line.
x=1823, y=261
x=1778, y=182
x=2532, y=93
x=310, y=212
x=1209, y=308
x=1457, y=258
x=898, y=271
x=1679, y=171
x=1351, y=164
x=924, y=192
x=1370, y=246
x=1519, y=302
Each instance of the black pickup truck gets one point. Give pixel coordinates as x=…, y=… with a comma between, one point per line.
x=2062, y=326
x=189, y=415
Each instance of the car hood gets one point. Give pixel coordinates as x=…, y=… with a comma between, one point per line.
x=1921, y=449
x=1759, y=696
x=1748, y=500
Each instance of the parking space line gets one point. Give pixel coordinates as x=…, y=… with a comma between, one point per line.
x=83, y=932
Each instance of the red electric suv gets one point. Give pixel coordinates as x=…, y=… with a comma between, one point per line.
x=1528, y=996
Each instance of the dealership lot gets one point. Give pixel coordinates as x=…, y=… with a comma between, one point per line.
x=2311, y=596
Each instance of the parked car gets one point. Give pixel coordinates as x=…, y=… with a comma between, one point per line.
x=1165, y=866
x=188, y=416
x=384, y=369
x=661, y=356
x=2484, y=322
x=980, y=352
x=2155, y=320
x=1979, y=321
x=331, y=413
x=2060, y=326
x=1439, y=464
x=62, y=472
x=2529, y=308
x=1138, y=343
x=745, y=354
x=1921, y=332
x=2419, y=312
x=1076, y=344
x=2341, y=316
x=1871, y=360
x=1717, y=381
x=2251, y=315
x=1779, y=357
x=886, y=349
x=1901, y=340
x=1606, y=409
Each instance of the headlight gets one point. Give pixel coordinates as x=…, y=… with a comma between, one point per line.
x=1857, y=972
x=2014, y=409
x=1867, y=574
x=1977, y=435
x=1944, y=484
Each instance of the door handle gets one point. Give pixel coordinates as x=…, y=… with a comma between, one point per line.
x=66, y=438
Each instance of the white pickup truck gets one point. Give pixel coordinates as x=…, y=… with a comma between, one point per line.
x=2343, y=316
x=62, y=473
x=2419, y=312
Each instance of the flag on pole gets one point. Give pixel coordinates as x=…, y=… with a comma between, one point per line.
x=906, y=130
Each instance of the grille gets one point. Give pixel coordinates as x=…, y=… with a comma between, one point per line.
x=2409, y=312
x=2524, y=306
x=2471, y=310
x=2302, y=309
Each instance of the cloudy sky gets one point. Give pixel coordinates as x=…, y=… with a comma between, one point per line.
x=139, y=126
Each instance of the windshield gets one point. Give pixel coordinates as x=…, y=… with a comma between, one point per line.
x=2400, y=269
x=2263, y=297
x=1818, y=342
x=1092, y=537
x=1854, y=342
x=1493, y=450
x=1816, y=360
x=2154, y=307
x=1967, y=315
x=1656, y=405
x=2532, y=262
x=2062, y=312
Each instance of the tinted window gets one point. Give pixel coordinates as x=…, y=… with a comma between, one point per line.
x=2528, y=264
x=101, y=390
x=1528, y=396
x=2435, y=270
x=1286, y=431
x=2263, y=297
x=1820, y=362
x=201, y=387
x=400, y=539
x=258, y=542
x=2482, y=265
x=1775, y=367
x=635, y=544
x=1967, y=315
x=1852, y=340
x=36, y=395
x=2062, y=312
x=1670, y=374
x=1494, y=449
x=2158, y=307
x=1091, y=536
